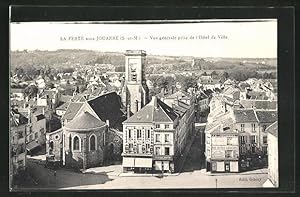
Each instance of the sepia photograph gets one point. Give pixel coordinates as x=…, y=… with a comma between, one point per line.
x=150, y=104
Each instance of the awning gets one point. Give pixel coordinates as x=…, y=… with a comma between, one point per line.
x=128, y=162
x=32, y=145
x=143, y=162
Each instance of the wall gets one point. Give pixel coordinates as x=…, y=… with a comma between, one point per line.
x=273, y=159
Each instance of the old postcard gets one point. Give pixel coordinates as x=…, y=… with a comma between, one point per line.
x=144, y=104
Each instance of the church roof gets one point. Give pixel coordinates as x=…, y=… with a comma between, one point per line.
x=84, y=121
x=108, y=107
x=72, y=110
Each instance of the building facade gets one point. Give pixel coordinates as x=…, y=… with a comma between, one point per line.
x=17, y=161
x=148, y=139
x=273, y=176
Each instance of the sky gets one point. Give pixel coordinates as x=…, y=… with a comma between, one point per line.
x=200, y=39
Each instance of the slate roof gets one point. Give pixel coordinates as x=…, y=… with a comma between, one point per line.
x=64, y=106
x=21, y=120
x=72, y=110
x=273, y=129
x=218, y=125
x=179, y=94
x=50, y=93
x=149, y=113
x=16, y=90
x=84, y=121
x=244, y=115
x=108, y=107
x=266, y=116
x=40, y=117
x=257, y=95
x=258, y=104
x=180, y=107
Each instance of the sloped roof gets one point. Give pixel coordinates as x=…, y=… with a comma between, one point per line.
x=17, y=118
x=84, y=121
x=72, y=110
x=155, y=111
x=273, y=129
x=266, y=116
x=108, y=107
x=179, y=94
x=64, y=106
x=163, y=113
x=244, y=115
x=40, y=117
x=258, y=104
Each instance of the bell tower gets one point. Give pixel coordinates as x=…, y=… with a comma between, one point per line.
x=135, y=90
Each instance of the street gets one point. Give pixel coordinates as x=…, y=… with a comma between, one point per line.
x=193, y=175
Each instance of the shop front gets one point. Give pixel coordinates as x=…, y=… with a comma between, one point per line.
x=137, y=164
x=163, y=164
x=224, y=166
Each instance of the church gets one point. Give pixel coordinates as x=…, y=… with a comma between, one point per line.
x=91, y=134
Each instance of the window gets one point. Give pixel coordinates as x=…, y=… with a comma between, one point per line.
x=76, y=143
x=242, y=139
x=167, y=151
x=253, y=139
x=42, y=130
x=148, y=148
x=148, y=133
x=129, y=133
x=157, y=126
x=265, y=140
x=139, y=133
x=265, y=149
x=264, y=127
x=92, y=143
x=229, y=141
x=253, y=149
x=157, y=150
x=130, y=147
x=208, y=140
x=243, y=149
x=157, y=138
x=242, y=127
x=228, y=153
x=167, y=126
x=167, y=137
x=20, y=134
x=253, y=127
x=36, y=135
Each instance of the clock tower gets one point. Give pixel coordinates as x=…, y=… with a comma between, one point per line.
x=135, y=91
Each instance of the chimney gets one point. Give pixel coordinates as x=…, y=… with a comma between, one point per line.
x=154, y=100
x=128, y=111
x=43, y=111
x=107, y=123
x=136, y=106
x=172, y=89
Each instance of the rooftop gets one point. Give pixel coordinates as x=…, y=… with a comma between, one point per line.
x=154, y=111
x=244, y=115
x=84, y=121
x=273, y=129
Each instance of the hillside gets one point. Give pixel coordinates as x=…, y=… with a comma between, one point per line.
x=155, y=63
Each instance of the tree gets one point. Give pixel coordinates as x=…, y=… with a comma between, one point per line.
x=189, y=82
x=49, y=85
x=30, y=91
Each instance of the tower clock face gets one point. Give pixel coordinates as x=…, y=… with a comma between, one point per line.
x=133, y=66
